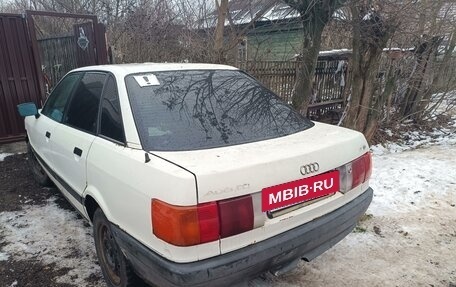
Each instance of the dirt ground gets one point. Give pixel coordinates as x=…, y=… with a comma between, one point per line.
x=18, y=190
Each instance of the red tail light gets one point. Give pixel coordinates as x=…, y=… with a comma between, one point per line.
x=208, y=222
x=356, y=172
x=236, y=215
x=192, y=225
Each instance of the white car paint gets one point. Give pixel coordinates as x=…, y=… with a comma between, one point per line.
x=123, y=183
x=65, y=163
x=246, y=169
x=36, y=131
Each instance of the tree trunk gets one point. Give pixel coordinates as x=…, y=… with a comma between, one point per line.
x=413, y=106
x=369, y=78
x=222, y=11
x=356, y=74
x=314, y=17
x=306, y=72
x=369, y=38
x=376, y=112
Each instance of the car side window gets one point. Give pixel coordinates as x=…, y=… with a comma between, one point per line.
x=111, y=125
x=83, y=109
x=55, y=105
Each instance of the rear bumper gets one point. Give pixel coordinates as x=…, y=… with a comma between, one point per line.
x=306, y=241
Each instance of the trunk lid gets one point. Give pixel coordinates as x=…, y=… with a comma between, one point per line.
x=248, y=168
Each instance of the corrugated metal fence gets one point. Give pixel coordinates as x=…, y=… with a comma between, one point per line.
x=18, y=76
x=23, y=76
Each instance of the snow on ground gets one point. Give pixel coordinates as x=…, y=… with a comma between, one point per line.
x=3, y=155
x=52, y=235
x=413, y=139
x=3, y=256
x=412, y=180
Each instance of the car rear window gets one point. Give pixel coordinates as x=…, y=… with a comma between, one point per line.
x=200, y=109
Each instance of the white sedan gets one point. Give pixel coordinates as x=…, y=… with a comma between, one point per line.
x=195, y=174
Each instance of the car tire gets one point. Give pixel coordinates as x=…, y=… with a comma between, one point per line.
x=37, y=170
x=114, y=266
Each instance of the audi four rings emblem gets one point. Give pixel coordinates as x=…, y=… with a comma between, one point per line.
x=309, y=168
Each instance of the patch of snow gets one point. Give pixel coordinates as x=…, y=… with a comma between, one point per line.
x=394, y=49
x=341, y=14
x=3, y=256
x=446, y=102
x=335, y=52
x=389, y=132
x=4, y=155
x=279, y=12
x=13, y=284
x=368, y=16
x=406, y=181
x=350, y=51
x=53, y=235
x=413, y=139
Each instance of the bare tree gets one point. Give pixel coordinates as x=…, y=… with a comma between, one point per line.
x=314, y=17
x=406, y=78
x=222, y=11
x=371, y=32
x=430, y=73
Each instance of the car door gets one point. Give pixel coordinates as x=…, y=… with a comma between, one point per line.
x=40, y=130
x=73, y=138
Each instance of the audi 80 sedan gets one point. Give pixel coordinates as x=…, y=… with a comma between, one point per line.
x=195, y=174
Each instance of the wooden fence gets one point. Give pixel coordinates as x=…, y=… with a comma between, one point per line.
x=278, y=76
x=331, y=76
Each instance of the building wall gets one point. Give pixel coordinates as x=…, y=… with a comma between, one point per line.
x=274, y=43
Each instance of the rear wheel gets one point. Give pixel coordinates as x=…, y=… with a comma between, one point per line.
x=116, y=269
x=38, y=172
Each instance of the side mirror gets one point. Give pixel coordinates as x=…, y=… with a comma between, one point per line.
x=28, y=109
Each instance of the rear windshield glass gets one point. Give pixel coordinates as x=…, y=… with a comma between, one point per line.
x=199, y=109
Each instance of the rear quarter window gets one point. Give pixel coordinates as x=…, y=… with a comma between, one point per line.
x=111, y=125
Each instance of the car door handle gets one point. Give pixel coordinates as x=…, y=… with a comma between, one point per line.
x=48, y=135
x=77, y=151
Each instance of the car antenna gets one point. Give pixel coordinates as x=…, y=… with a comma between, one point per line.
x=147, y=157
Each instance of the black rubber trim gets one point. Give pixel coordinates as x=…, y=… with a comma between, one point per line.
x=306, y=241
x=67, y=187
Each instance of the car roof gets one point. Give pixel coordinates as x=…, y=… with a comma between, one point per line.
x=153, y=67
